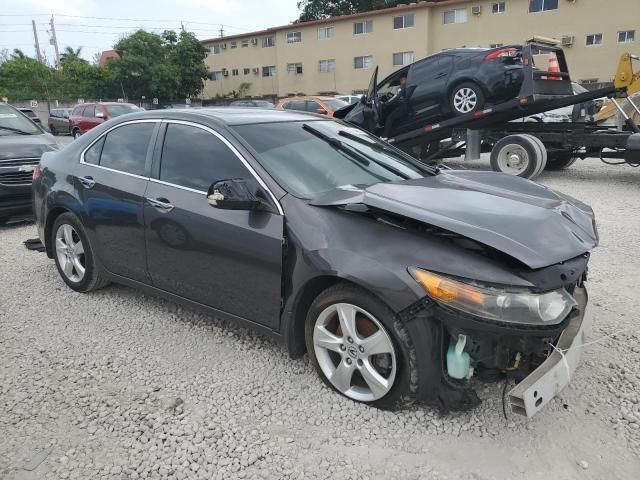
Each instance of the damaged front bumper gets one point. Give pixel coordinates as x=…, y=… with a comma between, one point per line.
x=555, y=373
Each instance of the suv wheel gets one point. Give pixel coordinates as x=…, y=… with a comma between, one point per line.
x=74, y=256
x=466, y=98
x=352, y=343
x=76, y=133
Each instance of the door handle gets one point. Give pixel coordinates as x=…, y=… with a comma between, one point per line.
x=87, y=182
x=160, y=204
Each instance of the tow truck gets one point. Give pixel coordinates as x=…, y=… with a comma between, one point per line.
x=521, y=148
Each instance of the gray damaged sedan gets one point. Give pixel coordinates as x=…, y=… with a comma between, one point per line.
x=401, y=282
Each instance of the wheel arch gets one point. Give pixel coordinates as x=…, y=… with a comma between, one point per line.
x=54, y=213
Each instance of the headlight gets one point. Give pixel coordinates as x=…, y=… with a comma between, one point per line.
x=515, y=306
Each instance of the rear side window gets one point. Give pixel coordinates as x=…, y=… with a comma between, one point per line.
x=195, y=158
x=92, y=155
x=125, y=148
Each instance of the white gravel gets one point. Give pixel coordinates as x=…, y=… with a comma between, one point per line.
x=118, y=385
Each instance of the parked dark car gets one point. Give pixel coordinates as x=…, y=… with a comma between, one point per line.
x=22, y=143
x=86, y=116
x=31, y=115
x=252, y=103
x=59, y=121
x=450, y=83
x=396, y=278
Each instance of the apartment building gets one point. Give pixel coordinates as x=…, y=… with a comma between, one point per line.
x=338, y=54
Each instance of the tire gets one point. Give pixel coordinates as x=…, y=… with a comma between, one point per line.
x=390, y=373
x=560, y=160
x=53, y=131
x=542, y=150
x=76, y=133
x=466, y=98
x=516, y=155
x=67, y=233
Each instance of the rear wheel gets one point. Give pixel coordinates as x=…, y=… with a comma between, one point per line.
x=351, y=341
x=53, y=131
x=74, y=256
x=517, y=155
x=542, y=151
x=76, y=133
x=560, y=160
x=466, y=98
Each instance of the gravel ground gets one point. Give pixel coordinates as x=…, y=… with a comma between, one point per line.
x=118, y=385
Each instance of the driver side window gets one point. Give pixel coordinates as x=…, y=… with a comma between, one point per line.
x=391, y=85
x=195, y=158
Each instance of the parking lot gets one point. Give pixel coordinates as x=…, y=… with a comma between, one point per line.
x=116, y=384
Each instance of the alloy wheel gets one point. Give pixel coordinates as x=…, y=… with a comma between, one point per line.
x=465, y=100
x=354, y=352
x=70, y=253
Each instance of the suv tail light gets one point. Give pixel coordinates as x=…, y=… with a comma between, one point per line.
x=503, y=53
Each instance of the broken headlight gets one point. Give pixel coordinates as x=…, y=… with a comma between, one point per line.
x=513, y=306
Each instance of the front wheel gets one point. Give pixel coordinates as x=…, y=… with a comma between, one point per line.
x=351, y=341
x=76, y=133
x=53, y=130
x=466, y=98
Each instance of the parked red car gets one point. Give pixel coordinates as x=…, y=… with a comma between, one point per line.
x=88, y=115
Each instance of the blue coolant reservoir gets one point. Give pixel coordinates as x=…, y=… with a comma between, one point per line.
x=458, y=361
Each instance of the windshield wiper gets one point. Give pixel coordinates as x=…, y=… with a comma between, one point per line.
x=381, y=147
x=352, y=152
x=14, y=130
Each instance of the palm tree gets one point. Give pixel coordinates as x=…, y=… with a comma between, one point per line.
x=71, y=54
x=17, y=53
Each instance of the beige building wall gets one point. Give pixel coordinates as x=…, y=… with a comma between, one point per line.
x=428, y=35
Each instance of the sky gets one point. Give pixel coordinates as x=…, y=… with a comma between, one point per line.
x=95, y=25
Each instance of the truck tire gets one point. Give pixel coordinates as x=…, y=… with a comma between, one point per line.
x=560, y=160
x=518, y=155
x=543, y=154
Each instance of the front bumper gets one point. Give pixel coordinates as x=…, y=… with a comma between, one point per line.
x=555, y=373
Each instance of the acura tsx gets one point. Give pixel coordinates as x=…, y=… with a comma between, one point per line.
x=400, y=281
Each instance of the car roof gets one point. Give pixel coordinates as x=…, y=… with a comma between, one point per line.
x=229, y=115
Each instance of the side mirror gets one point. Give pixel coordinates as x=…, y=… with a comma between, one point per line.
x=235, y=194
x=321, y=111
x=99, y=115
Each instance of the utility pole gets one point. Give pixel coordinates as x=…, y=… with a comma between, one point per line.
x=35, y=36
x=221, y=31
x=54, y=41
x=182, y=26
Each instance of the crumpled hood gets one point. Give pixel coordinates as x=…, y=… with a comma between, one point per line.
x=529, y=222
x=25, y=146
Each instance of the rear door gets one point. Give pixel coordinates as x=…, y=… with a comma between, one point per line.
x=230, y=260
x=111, y=179
x=427, y=81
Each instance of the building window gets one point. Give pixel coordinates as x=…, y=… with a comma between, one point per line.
x=233, y=44
x=327, y=65
x=498, y=7
x=594, y=39
x=215, y=49
x=294, y=68
x=542, y=5
x=234, y=72
x=402, y=58
x=365, y=26
x=245, y=43
x=459, y=15
x=269, y=71
x=326, y=32
x=216, y=76
x=246, y=71
x=403, y=21
x=627, y=36
x=268, y=42
x=294, y=37
x=363, y=62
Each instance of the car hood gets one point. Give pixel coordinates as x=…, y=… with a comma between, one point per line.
x=529, y=222
x=26, y=146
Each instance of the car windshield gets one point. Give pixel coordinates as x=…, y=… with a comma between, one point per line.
x=117, y=110
x=310, y=158
x=334, y=103
x=13, y=123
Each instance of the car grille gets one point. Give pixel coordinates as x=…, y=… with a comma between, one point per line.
x=14, y=177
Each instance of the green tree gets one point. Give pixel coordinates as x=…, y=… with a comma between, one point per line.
x=71, y=55
x=318, y=9
x=188, y=58
x=24, y=78
x=17, y=53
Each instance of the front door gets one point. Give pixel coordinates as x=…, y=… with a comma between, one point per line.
x=111, y=180
x=230, y=260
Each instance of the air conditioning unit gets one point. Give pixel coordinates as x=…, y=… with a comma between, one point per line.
x=568, y=40
x=225, y=72
x=223, y=46
x=476, y=9
x=254, y=41
x=256, y=70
